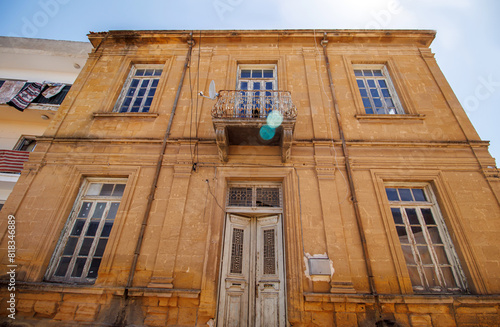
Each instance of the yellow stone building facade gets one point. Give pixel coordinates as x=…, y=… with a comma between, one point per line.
x=330, y=178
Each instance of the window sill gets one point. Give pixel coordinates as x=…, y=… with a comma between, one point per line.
x=125, y=114
x=374, y=117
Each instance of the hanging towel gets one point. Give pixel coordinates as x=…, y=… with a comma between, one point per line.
x=26, y=96
x=9, y=90
x=53, y=89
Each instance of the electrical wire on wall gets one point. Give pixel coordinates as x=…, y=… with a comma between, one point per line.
x=194, y=151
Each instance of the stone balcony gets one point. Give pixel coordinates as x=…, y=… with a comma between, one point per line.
x=257, y=117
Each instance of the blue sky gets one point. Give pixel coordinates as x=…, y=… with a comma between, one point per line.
x=467, y=44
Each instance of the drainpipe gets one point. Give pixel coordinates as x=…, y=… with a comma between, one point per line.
x=158, y=169
x=361, y=231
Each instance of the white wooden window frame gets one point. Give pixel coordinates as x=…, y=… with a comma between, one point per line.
x=399, y=110
x=70, y=224
x=127, y=84
x=432, y=204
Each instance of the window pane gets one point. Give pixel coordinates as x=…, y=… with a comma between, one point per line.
x=434, y=233
x=403, y=237
x=256, y=73
x=405, y=194
x=408, y=253
x=94, y=268
x=425, y=255
x=158, y=72
x=240, y=196
x=70, y=246
x=118, y=191
x=268, y=73
x=85, y=249
x=99, y=209
x=94, y=189
x=361, y=83
x=382, y=83
x=396, y=214
x=430, y=274
x=448, y=277
x=106, y=230
x=77, y=229
x=374, y=92
x=139, y=72
x=428, y=218
x=392, y=194
x=91, y=230
x=418, y=194
x=441, y=254
x=268, y=197
x=418, y=234
x=106, y=190
x=112, y=210
x=149, y=72
x=63, y=266
x=414, y=276
x=358, y=72
x=412, y=216
x=371, y=83
x=101, y=245
x=245, y=73
x=84, y=211
x=78, y=269
x=134, y=83
x=377, y=73
x=367, y=73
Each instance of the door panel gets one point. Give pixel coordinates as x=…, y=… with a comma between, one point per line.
x=252, y=285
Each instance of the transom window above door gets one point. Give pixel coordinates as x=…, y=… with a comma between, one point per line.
x=254, y=196
x=256, y=77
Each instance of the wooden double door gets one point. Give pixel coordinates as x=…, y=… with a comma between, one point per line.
x=252, y=287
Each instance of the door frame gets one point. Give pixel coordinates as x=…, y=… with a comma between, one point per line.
x=253, y=217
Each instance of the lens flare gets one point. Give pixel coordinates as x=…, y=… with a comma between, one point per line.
x=274, y=119
x=266, y=132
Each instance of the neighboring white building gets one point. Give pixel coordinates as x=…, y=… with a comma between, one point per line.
x=32, y=60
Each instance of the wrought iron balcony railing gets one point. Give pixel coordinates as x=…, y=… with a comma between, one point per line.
x=244, y=104
x=11, y=161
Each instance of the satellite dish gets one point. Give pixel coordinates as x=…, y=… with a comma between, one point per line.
x=211, y=92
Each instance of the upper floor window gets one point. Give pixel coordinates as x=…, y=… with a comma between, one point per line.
x=377, y=91
x=139, y=89
x=81, y=248
x=256, y=77
x=431, y=260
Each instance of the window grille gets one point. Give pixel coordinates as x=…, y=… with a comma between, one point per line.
x=254, y=196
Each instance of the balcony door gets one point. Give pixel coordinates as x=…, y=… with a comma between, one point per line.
x=252, y=287
x=256, y=83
